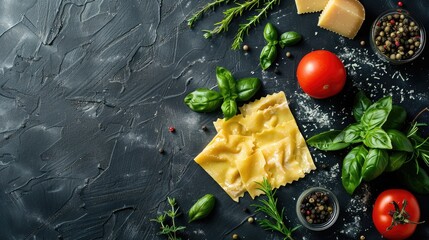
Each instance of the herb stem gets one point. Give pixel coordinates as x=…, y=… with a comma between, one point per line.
x=197, y=15
x=244, y=28
x=230, y=14
x=269, y=207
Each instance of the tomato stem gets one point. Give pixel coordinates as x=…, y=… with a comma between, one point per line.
x=400, y=215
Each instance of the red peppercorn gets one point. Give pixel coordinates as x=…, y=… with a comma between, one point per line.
x=397, y=43
x=400, y=4
x=171, y=129
x=392, y=22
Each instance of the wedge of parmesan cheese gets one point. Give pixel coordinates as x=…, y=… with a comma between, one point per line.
x=310, y=6
x=262, y=142
x=344, y=17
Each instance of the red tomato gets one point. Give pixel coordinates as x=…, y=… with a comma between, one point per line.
x=321, y=74
x=384, y=209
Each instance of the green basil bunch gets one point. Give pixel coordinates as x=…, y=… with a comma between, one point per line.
x=269, y=52
x=377, y=142
x=230, y=91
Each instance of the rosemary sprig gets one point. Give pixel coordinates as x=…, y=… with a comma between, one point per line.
x=421, y=145
x=209, y=6
x=269, y=207
x=229, y=15
x=252, y=21
x=166, y=229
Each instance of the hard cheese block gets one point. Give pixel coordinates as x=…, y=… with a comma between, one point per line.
x=262, y=142
x=310, y=6
x=344, y=17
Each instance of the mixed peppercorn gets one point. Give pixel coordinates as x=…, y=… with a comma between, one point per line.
x=317, y=207
x=397, y=36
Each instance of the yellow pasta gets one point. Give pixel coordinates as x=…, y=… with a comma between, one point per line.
x=262, y=142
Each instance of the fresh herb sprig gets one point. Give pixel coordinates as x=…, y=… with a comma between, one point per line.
x=379, y=145
x=269, y=207
x=233, y=12
x=252, y=21
x=421, y=145
x=231, y=91
x=166, y=229
x=209, y=6
x=229, y=15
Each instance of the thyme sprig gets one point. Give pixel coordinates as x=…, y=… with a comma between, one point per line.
x=209, y=6
x=166, y=229
x=252, y=21
x=269, y=207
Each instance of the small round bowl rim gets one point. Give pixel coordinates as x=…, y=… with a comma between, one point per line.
x=386, y=58
x=322, y=226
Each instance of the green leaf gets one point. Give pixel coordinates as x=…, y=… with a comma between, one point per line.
x=351, y=171
x=226, y=83
x=396, y=160
x=270, y=33
x=289, y=39
x=354, y=133
x=416, y=181
x=203, y=100
x=268, y=56
x=375, y=163
x=396, y=118
x=202, y=207
x=229, y=108
x=376, y=115
x=247, y=88
x=360, y=105
x=377, y=138
x=399, y=141
x=325, y=141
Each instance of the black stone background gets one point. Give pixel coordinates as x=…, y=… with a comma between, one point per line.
x=89, y=89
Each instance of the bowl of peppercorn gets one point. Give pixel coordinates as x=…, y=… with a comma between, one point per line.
x=317, y=208
x=397, y=37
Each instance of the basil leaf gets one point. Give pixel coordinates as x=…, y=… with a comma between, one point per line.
x=203, y=100
x=247, y=87
x=325, y=141
x=416, y=181
x=226, y=83
x=400, y=141
x=396, y=160
x=268, y=55
x=351, y=171
x=289, y=39
x=202, y=207
x=377, y=138
x=375, y=163
x=229, y=108
x=396, y=118
x=351, y=134
x=270, y=33
x=376, y=115
x=360, y=105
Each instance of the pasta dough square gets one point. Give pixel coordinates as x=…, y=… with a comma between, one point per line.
x=263, y=141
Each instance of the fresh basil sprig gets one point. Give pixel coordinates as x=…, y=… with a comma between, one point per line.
x=230, y=91
x=203, y=100
x=269, y=52
x=381, y=145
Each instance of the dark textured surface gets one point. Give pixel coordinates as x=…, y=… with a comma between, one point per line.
x=89, y=89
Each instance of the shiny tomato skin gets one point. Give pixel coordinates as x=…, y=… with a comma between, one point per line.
x=382, y=220
x=321, y=74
